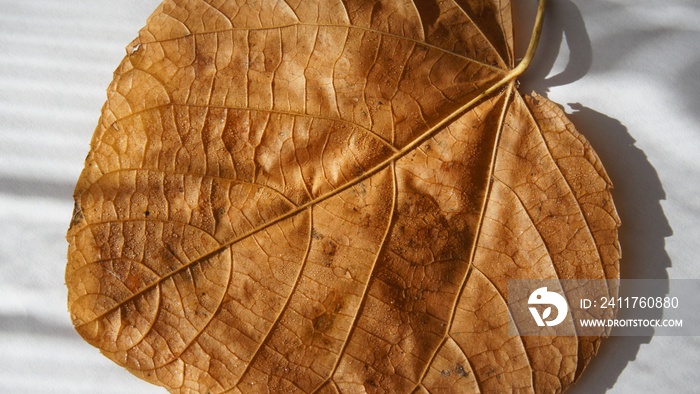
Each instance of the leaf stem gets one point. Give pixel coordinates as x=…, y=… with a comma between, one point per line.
x=534, y=40
x=529, y=54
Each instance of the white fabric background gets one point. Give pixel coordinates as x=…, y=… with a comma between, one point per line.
x=629, y=68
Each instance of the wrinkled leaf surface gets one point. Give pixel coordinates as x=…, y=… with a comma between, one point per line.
x=270, y=202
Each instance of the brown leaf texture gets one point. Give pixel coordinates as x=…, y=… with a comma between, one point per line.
x=288, y=196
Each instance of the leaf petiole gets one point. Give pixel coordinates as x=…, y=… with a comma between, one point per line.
x=532, y=46
x=527, y=59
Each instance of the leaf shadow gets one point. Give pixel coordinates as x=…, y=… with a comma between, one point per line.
x=25, y=187
x=689, y=87
x=637, y=188
x=22, y=324
x=563, y=22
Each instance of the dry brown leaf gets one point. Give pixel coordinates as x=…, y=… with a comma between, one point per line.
x=286, y=196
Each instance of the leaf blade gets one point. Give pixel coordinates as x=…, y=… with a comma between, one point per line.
x=289, y=194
